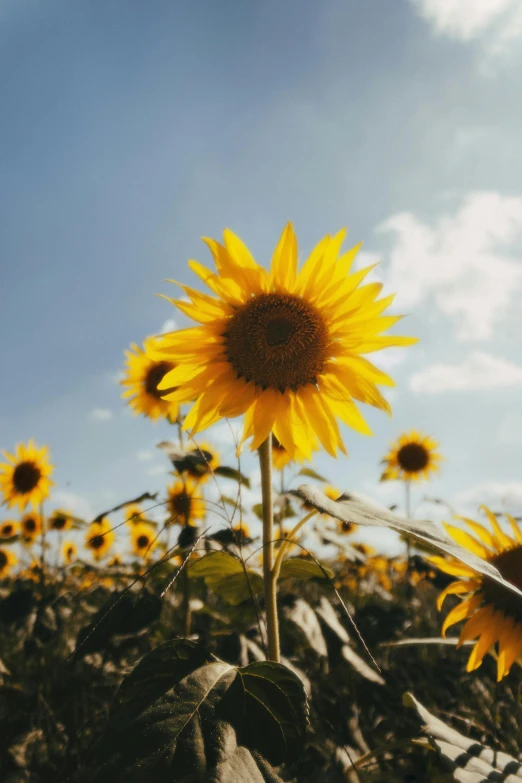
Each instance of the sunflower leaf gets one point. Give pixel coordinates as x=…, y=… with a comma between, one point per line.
x=353, y=508
x=311, y=473
x=297, y=568
x=224, y=574
x=183, y=713
x=232, y=473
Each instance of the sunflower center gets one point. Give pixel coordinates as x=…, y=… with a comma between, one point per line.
x=25, y=477
x=143, y=541
x=278, y=341
x=58, y=522
x=509, y=563
x=96, y=542
x=30, y=525
x=198, y=463
x=413, y=457
x=154, y=377
x=7, y=530
x=3, y=560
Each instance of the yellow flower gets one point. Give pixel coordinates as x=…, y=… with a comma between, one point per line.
x=24, y=478
x=207, y=461
x=99, y=538
x=60, y=520
x=185, y=503
x=144, y=539
x=493, y=613
x=133, y=515
x=412, y=457
x=280, y=456
x=143, y=375
x=284, y=348
x=7, y=560
x=115, y=561
x=31, y=526
x=8, y=529
x=69, y=552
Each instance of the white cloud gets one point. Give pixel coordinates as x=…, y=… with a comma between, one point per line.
x=69, y=501
x=158, y=470
x=144, y=456
x=497, y=21
x=496, y=495
x=169, y=325
x=478, y=372
x=101, y=414
x=460, y=262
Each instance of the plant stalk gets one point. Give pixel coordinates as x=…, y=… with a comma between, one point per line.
x=269, y=576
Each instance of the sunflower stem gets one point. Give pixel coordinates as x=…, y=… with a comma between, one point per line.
x=407, y=487
x=269, y=575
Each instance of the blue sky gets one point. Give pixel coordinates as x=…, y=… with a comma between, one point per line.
x=131, y=129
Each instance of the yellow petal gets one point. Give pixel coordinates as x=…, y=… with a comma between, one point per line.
x=467, y=541
x=461, y=611
x=505, y=540
x=283, y=269
x=456, y=588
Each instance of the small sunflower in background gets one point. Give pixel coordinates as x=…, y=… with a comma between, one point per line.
x=8, y=529
x=115, y=561
x=7, y=560
x=69, y=552
x=24, y=478
x=282, y=347
x=60, y=521
x=185, y=503
x=493, y=614
x=99, y=538
x=144, y=538
x=206, y=461
x=133, y=515
x=142, y=376
x=280, y=456
x=413, y=457
x=31, y=526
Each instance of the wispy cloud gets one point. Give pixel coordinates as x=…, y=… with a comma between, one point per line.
x=168, y=326
x=496, y=495
x=144, y=456
x=460, y=262
x=69, y=501
x=101, y=414
x=478, y=372
x=496, y=21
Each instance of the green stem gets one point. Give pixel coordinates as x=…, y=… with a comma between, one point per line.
x=408, y=515
x=269, y=578
x=287, y=542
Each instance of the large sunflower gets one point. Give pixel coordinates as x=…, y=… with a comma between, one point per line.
x=144, y=538
x=143, y=374
x=24, y=478
x=492, y=613
x=99, y=538
x=412, y=457
x=281, y=457
x=31, y=525
x=185, y=503
x=7, y=560
x=282, y=347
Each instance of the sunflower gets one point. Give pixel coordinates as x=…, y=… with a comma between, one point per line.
x=8, y=529
x=205, y=462
x=133, y=515
x=186, y=504
x=284, y=348
x=24, y=478
x=493, y=613
x=7, y=560
x=412, y=457
x=99, y=538
x=31, y=525
x=115, y=561
x=144, y=539
x=59, y=521
x=69, y=552
x=143, y=375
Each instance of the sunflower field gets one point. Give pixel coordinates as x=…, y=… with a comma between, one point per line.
x=192, y=635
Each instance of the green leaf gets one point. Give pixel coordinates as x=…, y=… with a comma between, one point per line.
x=258, y=510
x=183, y=715
x=297, y=568
x=224, y=574
x=232, y=473
x=311, y=474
